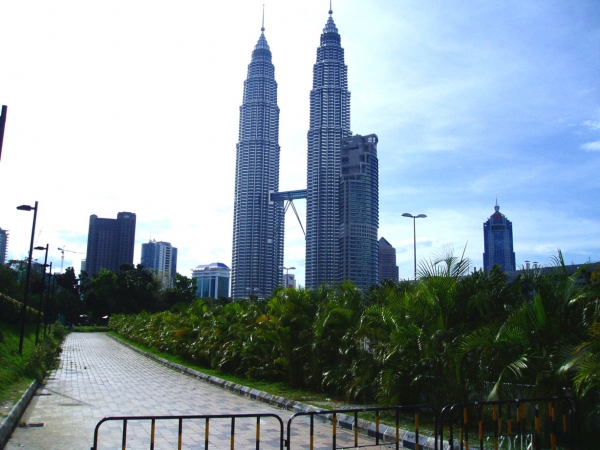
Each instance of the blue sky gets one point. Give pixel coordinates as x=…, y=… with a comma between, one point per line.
x=134, y=106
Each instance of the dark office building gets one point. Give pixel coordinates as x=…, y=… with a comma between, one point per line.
x=3, y=245
x=388, y=270
x=498, y=242
x=358, y=207
x=110, y=242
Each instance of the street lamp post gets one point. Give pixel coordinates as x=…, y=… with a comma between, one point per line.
x=45, y=304
x=49, y=300
x=420, y=216
x=287, y=273
x=26, y=293
x=39, y=317
x=252, y=293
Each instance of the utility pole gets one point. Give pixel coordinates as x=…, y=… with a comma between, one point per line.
x=2, y=125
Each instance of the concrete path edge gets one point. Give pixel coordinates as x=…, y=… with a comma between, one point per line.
x=365, y=427
x=9, y=424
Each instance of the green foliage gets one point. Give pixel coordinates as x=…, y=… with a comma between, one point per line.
x=35, y=361
x=43, y=358
x=9, y=281
x=91, y=329
x=452, y=336
x=11, y=310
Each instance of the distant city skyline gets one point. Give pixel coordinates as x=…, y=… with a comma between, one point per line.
x=473, y=100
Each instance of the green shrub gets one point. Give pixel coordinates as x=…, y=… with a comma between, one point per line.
x=43, y=358
x=10, y=310
x=59, y=331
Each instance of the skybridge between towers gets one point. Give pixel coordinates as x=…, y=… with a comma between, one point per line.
x=288, y=197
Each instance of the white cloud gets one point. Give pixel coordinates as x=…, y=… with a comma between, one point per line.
x=593, y=124
x=591, y=146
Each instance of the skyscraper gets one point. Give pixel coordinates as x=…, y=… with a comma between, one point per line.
x=257, y=222
x=3, y=245
x=388, y=270
x=498, y=242
x=110, y=242
x=358, y=208
x=329, y=124
x=161, y=258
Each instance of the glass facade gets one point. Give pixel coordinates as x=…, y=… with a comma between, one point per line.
x=161, y=258
x=498, y=242
x=358, y=207
x=110, y=242
x=329, y=124
x=3, y=245
x=258, y=222
x=212, y=280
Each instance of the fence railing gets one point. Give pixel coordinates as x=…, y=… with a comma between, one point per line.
x=348, y=419
x=516, y=424
x=206, y=418
x=527, y=424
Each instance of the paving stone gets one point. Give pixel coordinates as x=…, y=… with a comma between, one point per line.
x=98, y=377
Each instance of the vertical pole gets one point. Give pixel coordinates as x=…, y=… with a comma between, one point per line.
x=415, y=243
x=39, y=317
x=2, y=125
x=49, y=299
x=24, y=308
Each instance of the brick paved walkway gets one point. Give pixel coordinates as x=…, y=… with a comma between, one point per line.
x=98, y=377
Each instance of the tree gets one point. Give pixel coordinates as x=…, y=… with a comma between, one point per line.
x=102, y=298
x=67, y=296
x=9, y=281
x=183, y=293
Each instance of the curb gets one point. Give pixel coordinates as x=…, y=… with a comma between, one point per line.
x=387, y=434
x=11, y=422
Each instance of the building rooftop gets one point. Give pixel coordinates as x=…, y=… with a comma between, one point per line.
x=215, y=265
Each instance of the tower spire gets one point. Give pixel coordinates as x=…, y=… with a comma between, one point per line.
x=263, y=19
x=330, y=9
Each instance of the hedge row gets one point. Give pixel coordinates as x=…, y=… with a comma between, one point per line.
x=10, y=310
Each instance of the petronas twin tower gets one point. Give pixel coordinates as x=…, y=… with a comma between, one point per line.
x=335, y=182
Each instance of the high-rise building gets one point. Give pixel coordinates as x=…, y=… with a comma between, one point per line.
x=388, y=270
x=110, y=242
x=498, y=242
x=329, y=124
x=161, y=258
x=289, y=280
x=3, y=245
x=257, y=222
x=212, y=280
x=358, y=208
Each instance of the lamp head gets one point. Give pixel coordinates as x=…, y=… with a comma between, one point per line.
x=421, y=216
x=25, y=208
x=407, y=215
x=39, y=247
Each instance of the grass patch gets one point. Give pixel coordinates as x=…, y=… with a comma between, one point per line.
x=18, y=371
x=12, y=365
x=91, y=329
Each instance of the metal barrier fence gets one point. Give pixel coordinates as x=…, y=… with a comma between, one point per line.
x=514, y=424
x=207, y=420
x=349, y=419
x=528, y=424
